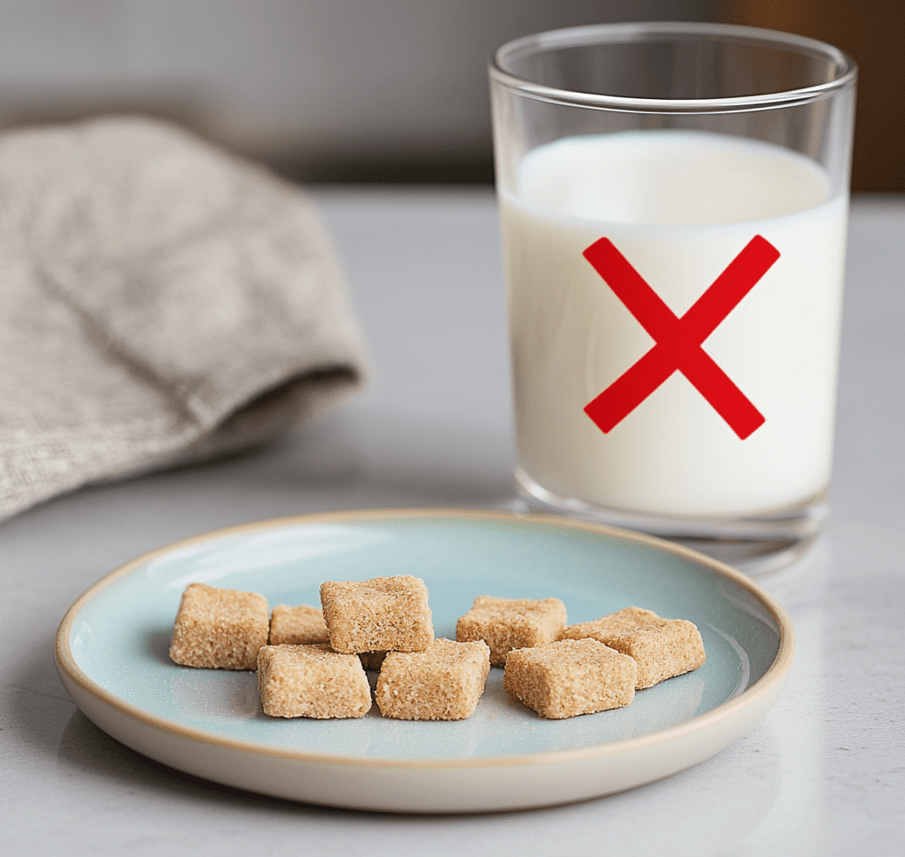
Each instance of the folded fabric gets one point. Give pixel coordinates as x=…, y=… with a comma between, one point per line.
x=160, y=301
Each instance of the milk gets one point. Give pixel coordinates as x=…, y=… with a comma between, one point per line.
x=679, y=206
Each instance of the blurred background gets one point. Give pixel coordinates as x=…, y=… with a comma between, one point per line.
x=373, y=90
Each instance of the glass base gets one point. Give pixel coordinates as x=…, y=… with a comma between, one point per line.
x=755, y=545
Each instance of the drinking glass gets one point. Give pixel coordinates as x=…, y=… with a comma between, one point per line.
x=673, y=200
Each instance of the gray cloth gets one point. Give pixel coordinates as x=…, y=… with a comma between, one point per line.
x=160, y=301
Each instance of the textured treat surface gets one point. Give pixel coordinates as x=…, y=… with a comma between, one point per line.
x=511, y=623
x=297, y=626
x=663, y=648
x=312, y=681
x=219, y=628
x=444, y=682
x=378, y=615
x=570, y=677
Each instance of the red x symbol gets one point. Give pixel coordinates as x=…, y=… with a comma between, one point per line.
x=678, y=340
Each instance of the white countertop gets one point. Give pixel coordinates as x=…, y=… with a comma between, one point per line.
x=823, y=774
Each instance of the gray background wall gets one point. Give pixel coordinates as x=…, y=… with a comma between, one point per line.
x=337, y=90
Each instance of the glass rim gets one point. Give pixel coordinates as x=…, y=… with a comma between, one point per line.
x=602, y=34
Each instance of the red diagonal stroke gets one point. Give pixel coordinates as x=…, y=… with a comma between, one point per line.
x=728, y=289
x=678, y=340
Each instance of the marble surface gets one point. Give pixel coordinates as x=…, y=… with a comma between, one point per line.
x=823, y=774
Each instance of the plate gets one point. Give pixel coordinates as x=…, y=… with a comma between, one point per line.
x=112, y=656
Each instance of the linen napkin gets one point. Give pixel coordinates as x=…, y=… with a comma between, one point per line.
x=161, y=301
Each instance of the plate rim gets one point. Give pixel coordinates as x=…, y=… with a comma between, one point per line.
x=771, y=681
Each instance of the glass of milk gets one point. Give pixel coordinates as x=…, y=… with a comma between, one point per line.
x=673, y=199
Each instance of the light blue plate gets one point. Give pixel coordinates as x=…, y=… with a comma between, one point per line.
x=112, y=648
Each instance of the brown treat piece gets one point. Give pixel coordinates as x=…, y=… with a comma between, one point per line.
x=570, y=677
x=511, y=623
x=297, y=626
x=379, y=615
x=663, y=648
x=312, y=681
x=372, y=660
x=219, y=628
x=444, y=682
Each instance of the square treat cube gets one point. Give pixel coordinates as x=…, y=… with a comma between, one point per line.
x=219, y=628
x=379, y=615
x=511, y=623
x=312, y=681
x=570, y=677
x=297, y=626
x=663, y=648
x=444, y=682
